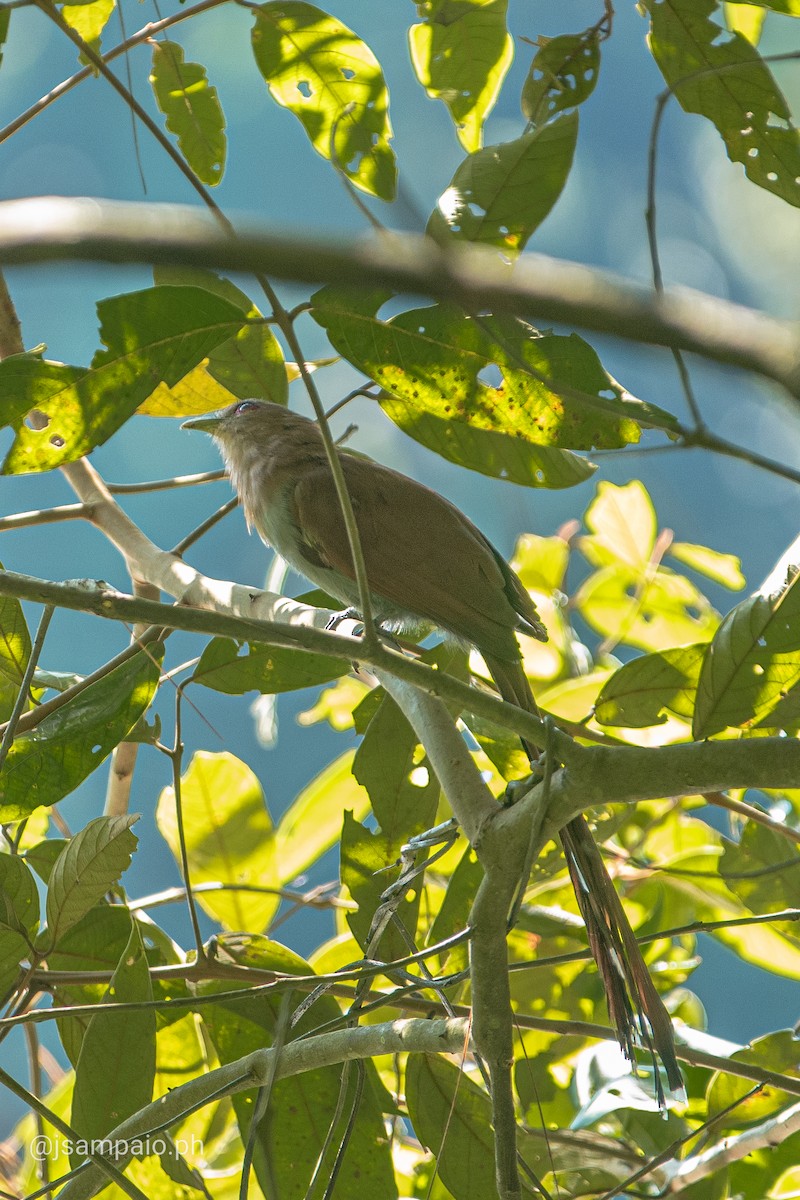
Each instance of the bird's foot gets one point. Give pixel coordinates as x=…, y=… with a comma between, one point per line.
x=348, y=614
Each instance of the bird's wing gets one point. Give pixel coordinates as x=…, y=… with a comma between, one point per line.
x=421, y=553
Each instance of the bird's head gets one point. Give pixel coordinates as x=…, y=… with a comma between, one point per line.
x=241, y=421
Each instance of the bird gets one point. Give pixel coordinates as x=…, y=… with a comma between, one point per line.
x=427, y=565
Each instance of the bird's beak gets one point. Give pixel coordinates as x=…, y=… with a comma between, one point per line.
x=204, y=424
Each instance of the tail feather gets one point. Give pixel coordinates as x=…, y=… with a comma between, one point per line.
x=634, y=1006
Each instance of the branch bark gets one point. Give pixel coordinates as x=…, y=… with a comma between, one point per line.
x=53, y=229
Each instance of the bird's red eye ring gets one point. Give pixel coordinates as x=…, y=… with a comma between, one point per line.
x=245, y=406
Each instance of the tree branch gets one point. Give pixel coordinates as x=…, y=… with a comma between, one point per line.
x=309, y=1054
x=57, y=228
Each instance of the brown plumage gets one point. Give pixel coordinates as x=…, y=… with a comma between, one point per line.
x=427, y=565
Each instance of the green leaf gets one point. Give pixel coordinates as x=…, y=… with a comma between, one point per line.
x=562, y=75
x=19, y=896
x=461, y=53
x=192, y=109
x=19, y=917
x=87, y=867
x=652, y=613
x=762, y=870
x=391, y=764
x=775, y=1052
x=722, y=568
x=451, y=1116
x=286, y=1147
x=151, y=337
x=234, y=668
x=229, y=838
x=752, y=664
x=117, y=1064
x=5, y=21
x=15, y=649
x=730, y=84
x=486, y=395
x=322, y=72
x=313, y=822
x=89, y=20
x=646, y=690
x=48, y=763
x=94, y=944
x=501, y=194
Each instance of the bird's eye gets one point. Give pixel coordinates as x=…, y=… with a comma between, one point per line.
x=245, y=406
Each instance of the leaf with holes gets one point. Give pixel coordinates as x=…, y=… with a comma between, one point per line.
x=192, y=109
x=322, y=72
x=461, y=55
x=729, y=83
x=501, y=194
x=48, y=763
x=86, y=868
x=644, y=691
x=151, y=337
x=493, y=394
x=562, y=75
x=752, y=664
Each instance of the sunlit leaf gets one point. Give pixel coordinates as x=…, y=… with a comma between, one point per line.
x=227, y=666
x=726, y=80
x=746, y=19
x=229, y=838
x=622, y=526
x=653, y=613
x=192, y=109
x=461, y=54
x=151, y=337
x=86, y=868
x=642, y=691
x=722, y=568
x=116, y=1068
x=499, y=195
x=48, y=763
x=562, y=75
x=313, y=822
x=752, y=664
x=322, y=72
x=89, y=20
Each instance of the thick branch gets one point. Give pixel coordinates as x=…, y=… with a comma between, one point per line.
x=56, y=228
x=327, y=1049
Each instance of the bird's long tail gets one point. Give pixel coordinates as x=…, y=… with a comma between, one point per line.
x=634, y=1006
